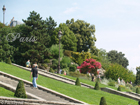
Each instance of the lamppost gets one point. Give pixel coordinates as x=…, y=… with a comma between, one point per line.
x=59, y=35
x=3, y=14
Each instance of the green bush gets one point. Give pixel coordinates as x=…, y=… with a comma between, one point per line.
x=44, y=65
x=115, y=70
x=66, y=60
x=137, y=90
x=54, y=49
x=8, y=61
x=129, y=85
x=46, y=61
x=111, y=82
x=51, y=70
x=63, y=65
x=67, y=53
x=20, y=90
x=54, y=61
x=77, y=82
x=97, y=86
x=72, y=68
x=103, y=101
x=119, y=88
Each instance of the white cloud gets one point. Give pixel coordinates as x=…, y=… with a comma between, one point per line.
x=70, y=10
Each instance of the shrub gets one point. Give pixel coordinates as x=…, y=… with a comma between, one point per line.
x=77, y=82
x=129, y=85
x=115, y=70
x=137, y=90
x=44, y=65
x=90, y=65
x=46, y=61
x=66, y=60
x=54, y=49
x=72, y=68
x=8, y=61
x=103, y=101
x=20, y=90
x=63, y=65
x=67, y=53
x=51, y=70
x=54, y=61
x=97, y=86
x=119, y=88
x=111, y=82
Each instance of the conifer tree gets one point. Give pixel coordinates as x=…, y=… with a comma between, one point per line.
x=97, y=86
x=103, y=101
x=137, y=90
x=119, y=88
x=20, y=90
x=77, y=82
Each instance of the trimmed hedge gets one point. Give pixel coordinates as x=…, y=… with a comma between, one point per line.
x=77, y=82
x=20, y=90
x=103, y=101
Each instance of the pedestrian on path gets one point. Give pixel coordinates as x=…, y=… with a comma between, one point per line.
x=34, y=74
x=119, y=80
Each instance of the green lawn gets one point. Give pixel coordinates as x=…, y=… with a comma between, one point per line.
x=86, y=81
x=6, y=93
x=84, y=94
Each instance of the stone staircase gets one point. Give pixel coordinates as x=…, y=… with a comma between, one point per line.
x=10, y=82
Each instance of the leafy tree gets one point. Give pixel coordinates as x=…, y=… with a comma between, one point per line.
x=118, y=57
x=54, y=50
x=138, y=76
x=20, y=90
x=103, y=101
x=35, y=49
x=90, y=65
x=84, y=33
x=68, y=38
x=103, y=58
x=115, y=70
x=6, y=50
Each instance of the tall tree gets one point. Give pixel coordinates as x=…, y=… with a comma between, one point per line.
x=6, y=50
x=68, y=38
x=118, y=57
x=138, y=76
x=84, y=33
x=33, y=39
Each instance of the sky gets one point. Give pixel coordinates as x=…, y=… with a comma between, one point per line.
x=117, y=22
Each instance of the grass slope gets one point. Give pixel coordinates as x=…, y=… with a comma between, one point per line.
x=84, y=94
x=6, y=93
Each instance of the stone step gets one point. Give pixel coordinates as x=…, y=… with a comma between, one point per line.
x=40, y=93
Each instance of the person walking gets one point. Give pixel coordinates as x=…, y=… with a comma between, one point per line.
x=92, y=77
x=34, y=74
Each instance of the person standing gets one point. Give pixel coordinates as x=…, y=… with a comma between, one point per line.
x=92, y=77
x=28, y=63
x=119, y=80
x=34, y=74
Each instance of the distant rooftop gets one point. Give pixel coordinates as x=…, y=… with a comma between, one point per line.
x=13, y=22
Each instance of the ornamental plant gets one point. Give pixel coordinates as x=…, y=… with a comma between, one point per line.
x=137, y=91
x=97, y=86
x=77, y=82
x=103, y=101
x=90, y=65
x=20, y=90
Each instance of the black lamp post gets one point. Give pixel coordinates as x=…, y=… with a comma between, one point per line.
x=59, y=35
x=3, y=14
